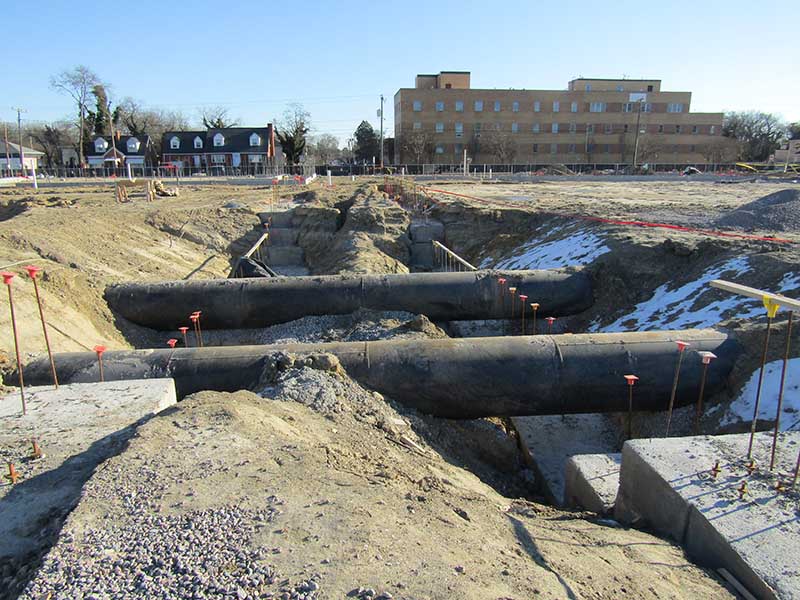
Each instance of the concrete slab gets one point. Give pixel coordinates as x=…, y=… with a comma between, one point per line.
x=426, y=231
x=592, y=482
x=668, y=484
x=550, y=441
x=278, y=256
x=77, y=426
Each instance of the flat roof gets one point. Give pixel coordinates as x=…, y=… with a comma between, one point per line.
x=612, y=79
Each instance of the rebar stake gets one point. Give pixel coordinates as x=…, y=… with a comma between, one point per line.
x=36, y=451
x=681, y=347
x=13, y=475
x=513, y=292
x=32, y=272
x=171, y=342
x=706, y=357
x=7, y=277
x=550, y=321
x=716, y=470
x=199, y=329
x=183, y=331
x=780, y=393
x=772, y=309
x=631, y=379
x=535, y=307
x=99, y=351
x=523, y=298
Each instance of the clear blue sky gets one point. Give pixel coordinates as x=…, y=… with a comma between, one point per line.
x=337, y=57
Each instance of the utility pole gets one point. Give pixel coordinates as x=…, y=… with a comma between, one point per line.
x=8, y=153
x=19, y=137
x=381, y=111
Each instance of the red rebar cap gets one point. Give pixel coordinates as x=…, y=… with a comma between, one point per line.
x=99, y=349
x=197, y=313
x=193, y=318
x=523, y=297
x=7, y=277
x=682, y=345
x=551, y=319
x=707, y=357
x=33, y=270
x=183, y=329
x=631, y=379
x=171, y=342
x=501, y=280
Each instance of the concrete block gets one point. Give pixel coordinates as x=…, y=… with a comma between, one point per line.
x=550, y=441
x=283, y=236
x=668, y=485
x=592, y=481
x=285, y=256
x=280, y=218
x=78, y=426
x=422, y=255
x=426, y=231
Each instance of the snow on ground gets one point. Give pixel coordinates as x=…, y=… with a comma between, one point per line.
x=684, y=306
x=578, y=248
x=741, y=409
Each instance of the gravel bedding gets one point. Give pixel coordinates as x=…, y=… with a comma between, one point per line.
x=779, y=211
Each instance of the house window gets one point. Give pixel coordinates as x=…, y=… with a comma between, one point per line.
x=535, y=148
x=660, y=129
x=198, y=142
x=175, y=143
x=589, y=128
x=440, y=127
x=417, y=126
x=573, y=107
x=627, y=107
x=695, y=129
x=497, y=106
x=514, y=127
x=219, y=140
x=713, y=130
x=515, y=106
x=647, y=107
x=556, y=106
x=649, y=88
x=218, y=158
x=535, y=128
x=571, y=149
x=459, y=106
x=537, y=106
x=133, y=145
x=255, y=140
x=619, y=88
x=674, y=107
x=554, y=127
x=609, y=128
x=439, y=149
x=440, y=106
x=478, y=105
x=459, y=130
x=573, y=127
x=677, y=128
x=100, y=145
x=448, y=86
x=417, y=106
x=588, y=87
x=597, y=107
x=477, y=128
x=553, y=148
x=254, y=158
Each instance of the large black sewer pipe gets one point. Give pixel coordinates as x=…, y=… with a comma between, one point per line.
x=455, y=378
x=240, y=303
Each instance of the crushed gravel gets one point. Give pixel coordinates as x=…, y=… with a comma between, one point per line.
x=779, y=211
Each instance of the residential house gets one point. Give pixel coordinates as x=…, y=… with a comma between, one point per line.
x=246, y=149
x=120, y=151
x=10, y=154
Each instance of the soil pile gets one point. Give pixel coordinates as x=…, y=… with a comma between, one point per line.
x=779, y=211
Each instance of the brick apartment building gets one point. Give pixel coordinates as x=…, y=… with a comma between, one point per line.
x=593, y=121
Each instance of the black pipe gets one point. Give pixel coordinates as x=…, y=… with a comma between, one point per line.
x=455, y=378
x=240, y=303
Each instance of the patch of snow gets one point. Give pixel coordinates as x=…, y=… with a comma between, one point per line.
x=741, y=409
x=580, y=248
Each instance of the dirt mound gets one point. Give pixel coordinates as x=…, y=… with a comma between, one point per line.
x=779, y=211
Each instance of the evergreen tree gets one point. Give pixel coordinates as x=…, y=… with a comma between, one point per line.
x=367, y=144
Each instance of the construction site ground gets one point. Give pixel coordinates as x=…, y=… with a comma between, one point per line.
x=338, y=489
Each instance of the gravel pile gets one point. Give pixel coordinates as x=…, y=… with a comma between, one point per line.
x=779, y=211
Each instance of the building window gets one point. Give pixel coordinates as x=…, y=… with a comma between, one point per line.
x=459, y=106
x=597, y=107
x=198, y=142
x=515, y=106
x=440, y=106
x=133, y=145
x=447, y=86
x=100, y=145
x=695, y=129
x=553, y=148
x=573, y=127
x=535, y=128
x=713, y=130
x=691, y=148
x=554, y=128
x=497, y=106
x=625, y=128
x=255, y=140
x=439, y=149
x=590, y=148
x=608, y=149
x=646, y=107
x=556, y=106
x=674, y=107
x=477, y=128
x=514, y=127
x=440, y=127
x=459, y=129
x=478, y=105
x=417, y=105
x=589, y=128
x=677, y=128
x=619, y=88
x=218, y=158
x=573, y=107
x=174, y=142
x=417, y=125
x=660, y=129
x=588, y=87
x=537, y=106
x=458, y=148
x=649, y=88
x=571, y=149
x=219, y=140
x=627, y=107
x=609, y=128
x=535, y=148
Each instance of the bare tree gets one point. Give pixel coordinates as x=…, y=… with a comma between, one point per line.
x=720, y=150
x=759, y=133
x=77, y=83
x=501, y=144
x=291, y=131
x=51, y=137
x=417, y=144
x=324, y=148
x=217, y=117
